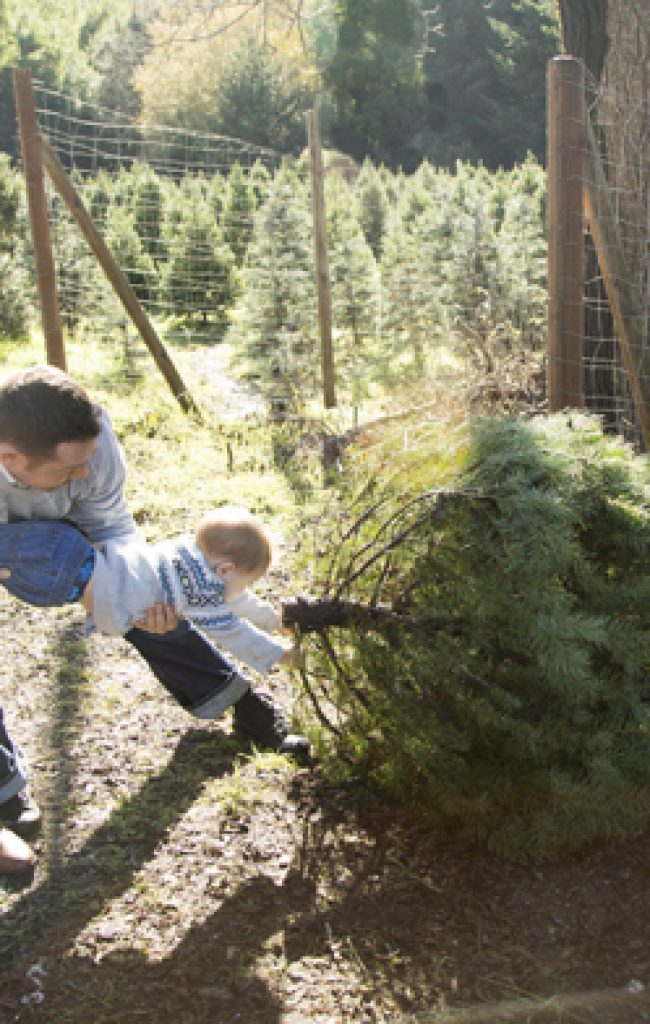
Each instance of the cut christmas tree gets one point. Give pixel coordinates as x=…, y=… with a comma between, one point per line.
x=479, y=640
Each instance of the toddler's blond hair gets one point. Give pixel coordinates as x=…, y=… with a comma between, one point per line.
x=235, y=533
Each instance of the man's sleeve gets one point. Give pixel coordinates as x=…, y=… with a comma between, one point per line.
x=98, y=504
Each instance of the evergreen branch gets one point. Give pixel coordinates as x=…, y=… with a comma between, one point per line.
x=431, y=513
x=387, y=566
x=367, y=513
x=320, y=714
x=331, y=653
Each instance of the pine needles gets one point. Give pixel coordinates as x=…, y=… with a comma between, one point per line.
x=481, y=647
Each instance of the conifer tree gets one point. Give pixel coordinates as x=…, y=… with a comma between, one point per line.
x=147, y=204
x=237, y=212
x=198, y=274
x=480, y=646
x=127, y=249
x=373, y=206
x=98, y=193
x=83, y=289
x=416, y=247
x=15, y=289
x=275, y=321
x=354, y=280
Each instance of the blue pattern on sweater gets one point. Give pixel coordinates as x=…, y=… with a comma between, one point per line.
x=200, y=589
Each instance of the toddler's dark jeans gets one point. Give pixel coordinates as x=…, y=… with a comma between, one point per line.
x=191, y=669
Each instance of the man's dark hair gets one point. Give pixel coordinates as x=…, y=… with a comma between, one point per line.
x=41, y=408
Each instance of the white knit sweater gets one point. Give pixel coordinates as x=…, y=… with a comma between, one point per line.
x=130, y=576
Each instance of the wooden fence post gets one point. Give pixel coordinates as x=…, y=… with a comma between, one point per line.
x=117, y=279
x=566, y=246
x=30, y=145
x=322, y=261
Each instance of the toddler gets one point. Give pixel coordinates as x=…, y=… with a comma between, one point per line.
x=205, y=577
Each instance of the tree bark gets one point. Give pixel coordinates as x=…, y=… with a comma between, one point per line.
x=584, y=31
x=312, y=615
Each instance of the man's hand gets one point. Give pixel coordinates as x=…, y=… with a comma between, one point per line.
x=5, y=574
x=160, y=619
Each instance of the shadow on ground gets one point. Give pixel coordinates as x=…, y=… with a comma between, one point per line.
x=373, y=921
x=320, y=904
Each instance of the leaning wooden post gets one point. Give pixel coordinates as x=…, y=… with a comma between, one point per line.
x=322, y=262
x=30, y=146
x=116, y=278
x=566, y=246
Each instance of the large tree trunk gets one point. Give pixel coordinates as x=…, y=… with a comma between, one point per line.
x=612, y=37
x=584, y=31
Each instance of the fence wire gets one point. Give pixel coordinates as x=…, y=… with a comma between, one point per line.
x=434, y=277
x=611, y=354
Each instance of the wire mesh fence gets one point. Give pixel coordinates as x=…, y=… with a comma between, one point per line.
x=434, y=277
x=617, y=284
x=599, y=225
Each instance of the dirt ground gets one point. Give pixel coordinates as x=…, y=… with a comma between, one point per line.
x=182, y=879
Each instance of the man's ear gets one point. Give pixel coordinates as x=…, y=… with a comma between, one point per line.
x=9, y=456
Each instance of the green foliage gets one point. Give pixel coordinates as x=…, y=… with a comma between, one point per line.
x=88, y=50
x=148, y=209
x=465, y=81
x=275, y=322
x=464, y=263
x=425, y=269
x=461, y=272
x=455, y=80
x=502, y=687
x=10, y=202
x=238, y=205
x=198, y=274
x=374, y=78
x=355, y=296
x=485, y=71
x=83, y=289
x=117, y=48
x=260, y=99
x=130, y=255
x=373, y=206
x=15, y=289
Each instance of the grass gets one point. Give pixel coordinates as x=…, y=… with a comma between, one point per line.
x=181, y=880
x=177, y=467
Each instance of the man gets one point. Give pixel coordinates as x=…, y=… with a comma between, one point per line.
x=59, y=459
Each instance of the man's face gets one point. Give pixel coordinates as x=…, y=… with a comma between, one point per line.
x=69, y=461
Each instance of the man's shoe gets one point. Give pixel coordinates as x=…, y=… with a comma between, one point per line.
x=258, y=719
x=15, y=855
x=21, y=814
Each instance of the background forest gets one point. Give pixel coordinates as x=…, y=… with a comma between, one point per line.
x=399, y=80
x=435, y=225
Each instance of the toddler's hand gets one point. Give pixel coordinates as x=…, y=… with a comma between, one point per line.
x=293, y=658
